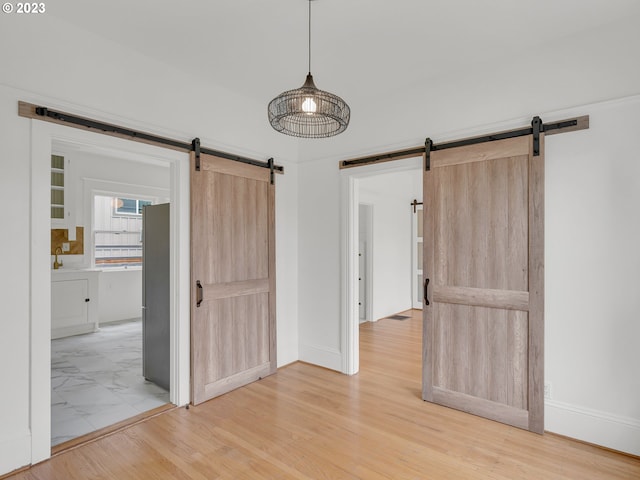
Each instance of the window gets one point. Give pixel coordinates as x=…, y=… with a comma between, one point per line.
x=130, y=206
x=117, y=233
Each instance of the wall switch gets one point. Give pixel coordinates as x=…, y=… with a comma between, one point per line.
x=547, y=391
x=65, y=247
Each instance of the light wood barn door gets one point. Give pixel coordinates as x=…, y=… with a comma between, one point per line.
x=233, y=325
x=484, y=258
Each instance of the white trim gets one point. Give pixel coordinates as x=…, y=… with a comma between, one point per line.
x=40, y=294
x=325, y=357
x=349, y=201
x=416, y=298
x=43, y=134
x=350, y=334
x=180, y=286
x=15, y=449
x=593, y=426
x=370, y=248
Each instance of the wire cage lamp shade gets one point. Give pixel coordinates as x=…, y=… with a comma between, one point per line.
x=309, y=112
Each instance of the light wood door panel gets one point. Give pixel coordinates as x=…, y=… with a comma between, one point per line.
x=483, y=255
x=233, y=276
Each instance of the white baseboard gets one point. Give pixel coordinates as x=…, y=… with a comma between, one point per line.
x=593, y=426
x=324, y=357
x=15, y=451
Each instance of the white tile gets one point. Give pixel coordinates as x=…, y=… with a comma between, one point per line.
x=69, y=429
x=115, y=414
x=96, y=381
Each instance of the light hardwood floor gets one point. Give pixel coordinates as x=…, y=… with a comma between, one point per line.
x=306, y=422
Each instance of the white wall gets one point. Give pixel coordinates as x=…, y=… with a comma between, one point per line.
x=592, y=291
x=390, y=196
x=89, y=173
x=319, y=280
x=122, y=173
x=47, y=61
x=287, y=286
x=15, y=437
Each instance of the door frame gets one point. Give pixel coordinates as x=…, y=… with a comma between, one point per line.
x=43, y=135
x=368, y=261
x=416, y=299
x=349, y=222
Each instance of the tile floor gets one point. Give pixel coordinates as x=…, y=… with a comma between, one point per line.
x=96, y=381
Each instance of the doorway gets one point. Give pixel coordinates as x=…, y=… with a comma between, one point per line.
x=98, y=376
x=391, y=260
x=44, y=135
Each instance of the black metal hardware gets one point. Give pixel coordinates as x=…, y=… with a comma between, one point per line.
x=414, y=204
x=126, y=132
x=271, y=176
x=199, y=294
x=414, y=152
x=536, y=127
x=484, y=139
x=426, y=285
x=108, y=128
x=546, y=127
x=87, y=299
x=195, y=145
x=428, y=146
x=236, y=158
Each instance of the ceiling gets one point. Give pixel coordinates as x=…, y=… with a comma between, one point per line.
x=360, y=49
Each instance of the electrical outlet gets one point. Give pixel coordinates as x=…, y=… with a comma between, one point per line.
x=65, y=247
x=547, y=391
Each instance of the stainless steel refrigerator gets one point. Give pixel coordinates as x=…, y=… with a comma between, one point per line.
x=155, y=294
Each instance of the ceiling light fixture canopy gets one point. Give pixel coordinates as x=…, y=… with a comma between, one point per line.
x=309, y=112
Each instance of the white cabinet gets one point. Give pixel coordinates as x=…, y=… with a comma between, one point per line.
x=74, y=302
x=69, y=299
x=63, y=212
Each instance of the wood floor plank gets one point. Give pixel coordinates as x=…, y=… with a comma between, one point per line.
x=307, y=423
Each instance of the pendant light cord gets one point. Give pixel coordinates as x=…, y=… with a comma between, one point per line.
x=309, y=37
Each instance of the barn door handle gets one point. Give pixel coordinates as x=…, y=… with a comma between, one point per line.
x=198, y=293
x=426, y=284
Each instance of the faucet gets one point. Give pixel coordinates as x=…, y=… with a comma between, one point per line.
x=57, y=264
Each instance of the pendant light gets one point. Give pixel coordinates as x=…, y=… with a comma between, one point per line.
x=309, y=112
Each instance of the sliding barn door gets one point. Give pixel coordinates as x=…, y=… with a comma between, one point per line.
x=233, y=327
x=483, y=257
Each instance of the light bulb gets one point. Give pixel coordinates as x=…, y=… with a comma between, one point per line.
x=309, y=106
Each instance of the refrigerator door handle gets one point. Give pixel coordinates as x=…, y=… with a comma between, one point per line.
x=198, y=293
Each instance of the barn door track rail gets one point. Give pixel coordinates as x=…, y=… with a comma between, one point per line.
x=29, y=110
x=536, y=128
